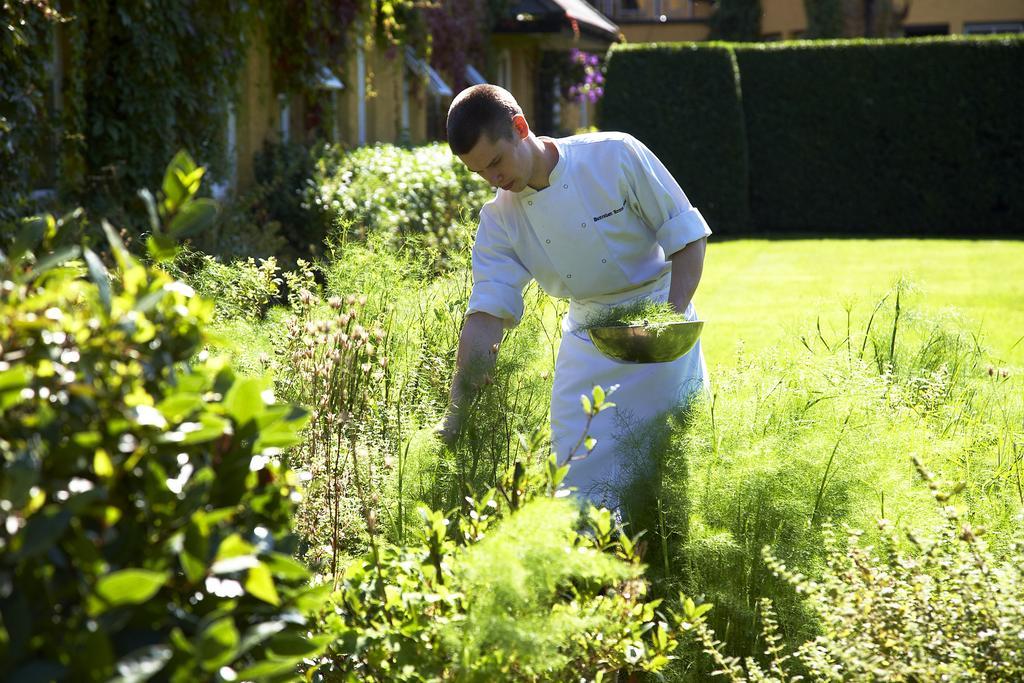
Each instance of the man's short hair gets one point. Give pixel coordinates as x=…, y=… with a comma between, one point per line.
x=480, y=109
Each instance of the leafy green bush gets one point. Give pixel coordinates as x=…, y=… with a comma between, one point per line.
x=242, y=288
x=285, y=197
x=247, y=229
x=423, y=194
x=146, y=514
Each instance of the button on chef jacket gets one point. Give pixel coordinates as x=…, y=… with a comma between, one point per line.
x=599, y=235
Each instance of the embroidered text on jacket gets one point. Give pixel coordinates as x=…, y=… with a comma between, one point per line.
x=612, y=212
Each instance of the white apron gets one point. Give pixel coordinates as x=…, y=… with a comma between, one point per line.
x=645, y=390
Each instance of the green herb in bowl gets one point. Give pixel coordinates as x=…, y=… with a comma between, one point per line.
x=643, y=312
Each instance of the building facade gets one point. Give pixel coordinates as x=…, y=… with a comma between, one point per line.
x=683, y=20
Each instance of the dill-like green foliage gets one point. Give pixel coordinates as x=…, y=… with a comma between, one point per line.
x=641, y=312
x=816, y=434
x=521, y=610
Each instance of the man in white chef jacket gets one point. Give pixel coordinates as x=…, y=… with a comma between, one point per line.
x=594, y=218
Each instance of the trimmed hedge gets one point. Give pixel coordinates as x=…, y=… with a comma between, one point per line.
x=922, y=137
x=882, y=136
x=691, y=118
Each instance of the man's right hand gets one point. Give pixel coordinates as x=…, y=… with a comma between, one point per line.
x=448, y=429
x=475, y=359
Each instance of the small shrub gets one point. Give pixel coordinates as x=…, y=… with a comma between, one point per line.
x=239, y=289
x=424, y=195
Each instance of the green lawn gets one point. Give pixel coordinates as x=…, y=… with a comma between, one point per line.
x=764, y=292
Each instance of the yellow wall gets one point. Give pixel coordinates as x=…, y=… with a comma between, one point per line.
x=783, y=18
x=257, y=108
x=524, y=52
x=786, y=19
x=257, y=119
x=652, y=10
x=662, y=33
x=957, y=12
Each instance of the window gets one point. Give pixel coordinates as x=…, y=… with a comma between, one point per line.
x=505, y=70
x=438, y=94
x=919, y=30
x=284, y=116
x=975, y=29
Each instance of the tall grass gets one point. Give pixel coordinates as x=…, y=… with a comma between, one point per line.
x=823, y=432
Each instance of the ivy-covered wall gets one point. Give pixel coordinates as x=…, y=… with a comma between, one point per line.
x=96, y=97
x=24, y=80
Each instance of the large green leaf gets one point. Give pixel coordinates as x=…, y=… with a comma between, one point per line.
x=244, y=400
x=129, y=587
x=234, y=554
x=30, y=236
x=42, y=531
x=260, y=584
x=218, y=644
x=58, y=257
x=269, y=668
x=291, y=644
x=280, y=427
x=98, y=274
x=208, y=427
x=194, y=217
x=177, y=407
x=15, y=379
x=174, y=187
x=286, y=567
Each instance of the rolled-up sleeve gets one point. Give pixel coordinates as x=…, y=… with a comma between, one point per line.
x=661, y=202
x=499, y=277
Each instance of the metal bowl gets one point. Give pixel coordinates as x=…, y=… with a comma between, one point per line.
x=655, y=343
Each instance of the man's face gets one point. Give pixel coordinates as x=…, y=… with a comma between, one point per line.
x=503, y=163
